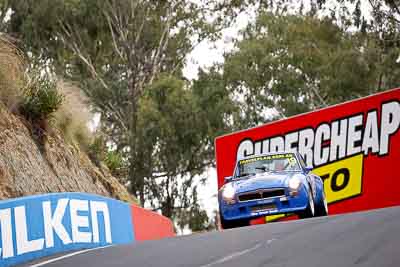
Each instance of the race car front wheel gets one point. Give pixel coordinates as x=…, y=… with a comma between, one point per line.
x=321, y=208
x=310, y=210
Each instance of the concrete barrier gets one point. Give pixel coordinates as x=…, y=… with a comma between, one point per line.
x=149, y=225
x=38, y=226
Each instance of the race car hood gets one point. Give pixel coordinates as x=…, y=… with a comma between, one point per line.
x=263, y=180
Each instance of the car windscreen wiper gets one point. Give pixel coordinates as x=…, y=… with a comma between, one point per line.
x=264, y=169
x=245, y=174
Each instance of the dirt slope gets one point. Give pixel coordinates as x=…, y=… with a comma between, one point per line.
x=27, y=167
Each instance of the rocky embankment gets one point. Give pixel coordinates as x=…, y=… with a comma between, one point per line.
x=28, y=167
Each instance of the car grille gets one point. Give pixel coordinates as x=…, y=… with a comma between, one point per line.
x=261, y=194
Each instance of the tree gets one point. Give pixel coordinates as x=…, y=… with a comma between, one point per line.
x=298, y=63
x=195, y=218
x=176, y=130
x=377, y=21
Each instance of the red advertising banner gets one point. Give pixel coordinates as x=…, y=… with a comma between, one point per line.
x=354, y=147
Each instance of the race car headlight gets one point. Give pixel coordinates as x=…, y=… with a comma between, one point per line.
x=228, y=193
x=294, y=184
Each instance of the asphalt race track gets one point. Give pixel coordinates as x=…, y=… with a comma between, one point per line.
x=360, y=239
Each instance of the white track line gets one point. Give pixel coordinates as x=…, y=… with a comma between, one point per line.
x=237, y=254
x=66, y=256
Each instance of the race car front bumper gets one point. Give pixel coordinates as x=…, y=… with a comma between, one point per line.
x=271, y=206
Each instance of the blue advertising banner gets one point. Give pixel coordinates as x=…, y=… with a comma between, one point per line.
x=37, y=226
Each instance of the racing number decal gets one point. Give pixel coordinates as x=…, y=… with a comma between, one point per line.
x=342, y=179
x=292, y=161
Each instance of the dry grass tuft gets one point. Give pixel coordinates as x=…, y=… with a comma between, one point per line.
x=74, y=115
x=12, y=71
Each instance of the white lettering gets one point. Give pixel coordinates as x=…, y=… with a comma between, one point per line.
x=54, y=222
x=321, y=155
x=257, y=148
x=354, y=135
x=277, y=144
x=290, y=140
x=265, y=146
x=79, y=221
x=7, y=249
x=95, y=207
x=338, y=140
x=390, y=122
x=371, y=134
x=21, y=231
x=245, y=149
x=306, y=142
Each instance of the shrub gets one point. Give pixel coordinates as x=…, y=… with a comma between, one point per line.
x=41, y=98
x=97, y=149
x=114, y=162
x=33, y=93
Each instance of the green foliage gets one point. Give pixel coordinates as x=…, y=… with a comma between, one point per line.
x=299, y=63
x=41, y=98
x=168, y=136
x=177, y=126
x=194, y=217
x=215, y=105
x=98, y=149
x=114, y=162
x=169, y=119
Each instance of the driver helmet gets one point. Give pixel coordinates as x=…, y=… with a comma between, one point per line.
x=279, y=165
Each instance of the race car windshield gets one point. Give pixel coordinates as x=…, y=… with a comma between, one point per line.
x=271, y=163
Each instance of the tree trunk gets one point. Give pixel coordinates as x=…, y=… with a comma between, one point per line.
x=137, y=179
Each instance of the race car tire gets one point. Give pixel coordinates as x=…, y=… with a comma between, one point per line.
x=321, y=208
x=228, y=224
x=310, y=209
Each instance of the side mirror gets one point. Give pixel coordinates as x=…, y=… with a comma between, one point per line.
x=228, y=179
x=309, y=169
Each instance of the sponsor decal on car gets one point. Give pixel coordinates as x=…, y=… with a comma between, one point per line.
x=288, y=156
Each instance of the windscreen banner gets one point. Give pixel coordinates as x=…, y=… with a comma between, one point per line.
x=354, y=147
x=37, y=226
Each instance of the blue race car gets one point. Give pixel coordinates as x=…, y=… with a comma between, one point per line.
x=269, y=184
